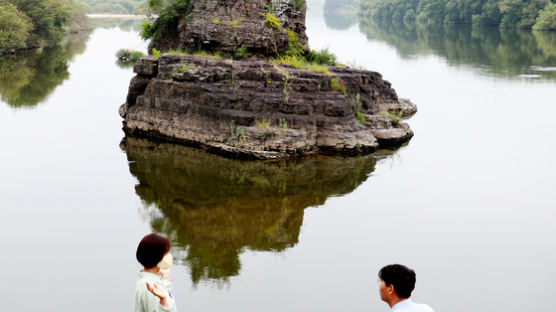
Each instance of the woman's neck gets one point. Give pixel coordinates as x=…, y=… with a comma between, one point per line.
x=151, y=270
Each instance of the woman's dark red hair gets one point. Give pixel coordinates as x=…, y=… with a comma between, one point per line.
x=151, y=249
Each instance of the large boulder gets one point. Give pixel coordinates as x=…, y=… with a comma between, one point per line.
x=258, y=27
x=262, y=110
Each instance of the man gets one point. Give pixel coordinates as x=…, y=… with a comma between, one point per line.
x=396, y=282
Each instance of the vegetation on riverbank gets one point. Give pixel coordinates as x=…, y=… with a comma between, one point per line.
x=535, y=14
x=34, y=23
x=128, y=56
x=113, y=6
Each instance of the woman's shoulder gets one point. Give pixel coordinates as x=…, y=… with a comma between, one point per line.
x=144, y=277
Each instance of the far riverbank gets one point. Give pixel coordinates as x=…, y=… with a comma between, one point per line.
x=116, y=16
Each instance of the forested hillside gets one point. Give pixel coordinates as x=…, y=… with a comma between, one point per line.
x=536, y=14
x=33, y=23
x=113, y=6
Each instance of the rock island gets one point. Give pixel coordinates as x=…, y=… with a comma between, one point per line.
x=237, y=78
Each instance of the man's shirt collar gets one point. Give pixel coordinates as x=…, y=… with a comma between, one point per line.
x=402, y=304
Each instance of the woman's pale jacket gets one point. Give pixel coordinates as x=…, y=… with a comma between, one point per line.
x=145, y=301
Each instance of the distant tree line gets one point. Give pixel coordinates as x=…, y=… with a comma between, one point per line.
x=113, y=6
x=536, y=14
x=34, y=23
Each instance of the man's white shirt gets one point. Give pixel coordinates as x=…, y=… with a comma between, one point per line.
x=409, y=306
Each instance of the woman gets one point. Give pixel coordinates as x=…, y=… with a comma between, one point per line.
x=152, y=290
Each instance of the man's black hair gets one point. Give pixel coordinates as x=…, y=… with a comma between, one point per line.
x=402, y=277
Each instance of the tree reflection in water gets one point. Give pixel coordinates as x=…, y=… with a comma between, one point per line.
x=27, y=78
x=340, y=14
x=213, y=208
x=507, y=53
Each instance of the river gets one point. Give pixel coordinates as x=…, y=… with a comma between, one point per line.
x=469, y=203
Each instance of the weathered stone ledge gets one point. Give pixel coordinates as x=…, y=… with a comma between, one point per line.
x=257, y=109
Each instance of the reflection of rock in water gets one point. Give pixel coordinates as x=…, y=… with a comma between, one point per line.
x=340, y=14
x=215, y=207
x=26, y=79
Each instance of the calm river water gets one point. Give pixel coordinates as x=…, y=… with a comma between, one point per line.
x=469, y=203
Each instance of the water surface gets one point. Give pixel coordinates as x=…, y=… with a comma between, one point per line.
x=468, y=203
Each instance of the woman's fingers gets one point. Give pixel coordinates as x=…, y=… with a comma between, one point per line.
x=152, y=288
x=156, y=290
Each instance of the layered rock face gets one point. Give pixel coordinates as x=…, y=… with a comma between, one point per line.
x=257, y=109
x=259, y=26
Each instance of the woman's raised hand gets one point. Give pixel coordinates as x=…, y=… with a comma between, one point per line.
x=158, y=291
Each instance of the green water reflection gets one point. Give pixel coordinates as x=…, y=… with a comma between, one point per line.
x=27, y=78
x=340, y=14
x=213, y=208
x=501, y=52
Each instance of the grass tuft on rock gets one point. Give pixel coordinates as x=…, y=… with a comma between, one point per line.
x=359, y=116
x=241, y=53
x=129, y=56
x=216, y=55
x=272, y=21
x=301, y=63
x=323, y=57
x=396, y=118
x=338, y=85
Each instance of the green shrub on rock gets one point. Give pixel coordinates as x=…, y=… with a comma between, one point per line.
x=338, y=85
x=128, y=56
x=164, y=17
x=323, y=57
x=241, y=53
x=272, y=21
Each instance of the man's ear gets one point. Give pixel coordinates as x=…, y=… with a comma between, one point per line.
x=390, y=289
